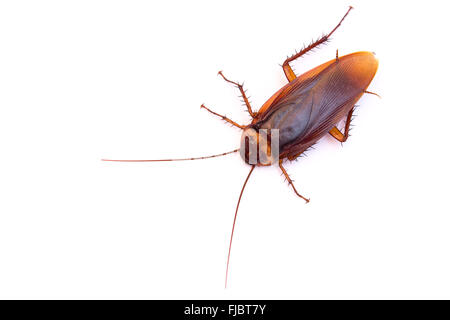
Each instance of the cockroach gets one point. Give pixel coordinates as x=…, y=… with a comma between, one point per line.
x=307, y=108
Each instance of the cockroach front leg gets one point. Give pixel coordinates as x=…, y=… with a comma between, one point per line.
x=223, y=117
x=244, y=96
x=337, y=134
x=290, y=75
x=280, y=163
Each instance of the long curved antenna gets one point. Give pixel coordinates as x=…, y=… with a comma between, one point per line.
x=234, y=223
x=183, y=159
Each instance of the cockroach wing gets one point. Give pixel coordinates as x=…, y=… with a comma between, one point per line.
x=309, y=106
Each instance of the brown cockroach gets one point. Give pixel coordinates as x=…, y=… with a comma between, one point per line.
x=300, y=113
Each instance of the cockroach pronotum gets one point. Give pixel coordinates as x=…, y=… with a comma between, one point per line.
x=300, y=113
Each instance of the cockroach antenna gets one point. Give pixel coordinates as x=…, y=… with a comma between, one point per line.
x=201, y=158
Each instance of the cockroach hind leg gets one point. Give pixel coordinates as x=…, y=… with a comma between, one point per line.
x=243, y=93
x=223, y=117
x=337, y=134
x=290, y=75
x=280, y=163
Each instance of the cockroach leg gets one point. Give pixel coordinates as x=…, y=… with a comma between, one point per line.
x=337, y=55
x=375, y=94
x=223, y=117
x=244, y=96
x=295, y=156
x=337, y=134
x=290, y=75
x=234, y=223
x=280, y=163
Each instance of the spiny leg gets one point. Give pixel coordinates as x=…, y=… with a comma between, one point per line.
x=295, y=156
x=337, y=134
x=280, y=163
x=290, y=75
x=223, y=117
x=244, y=96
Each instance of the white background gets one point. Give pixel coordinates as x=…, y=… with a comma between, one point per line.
x=85, y=80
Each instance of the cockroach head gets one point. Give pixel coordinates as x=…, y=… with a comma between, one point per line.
x=259, y=147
